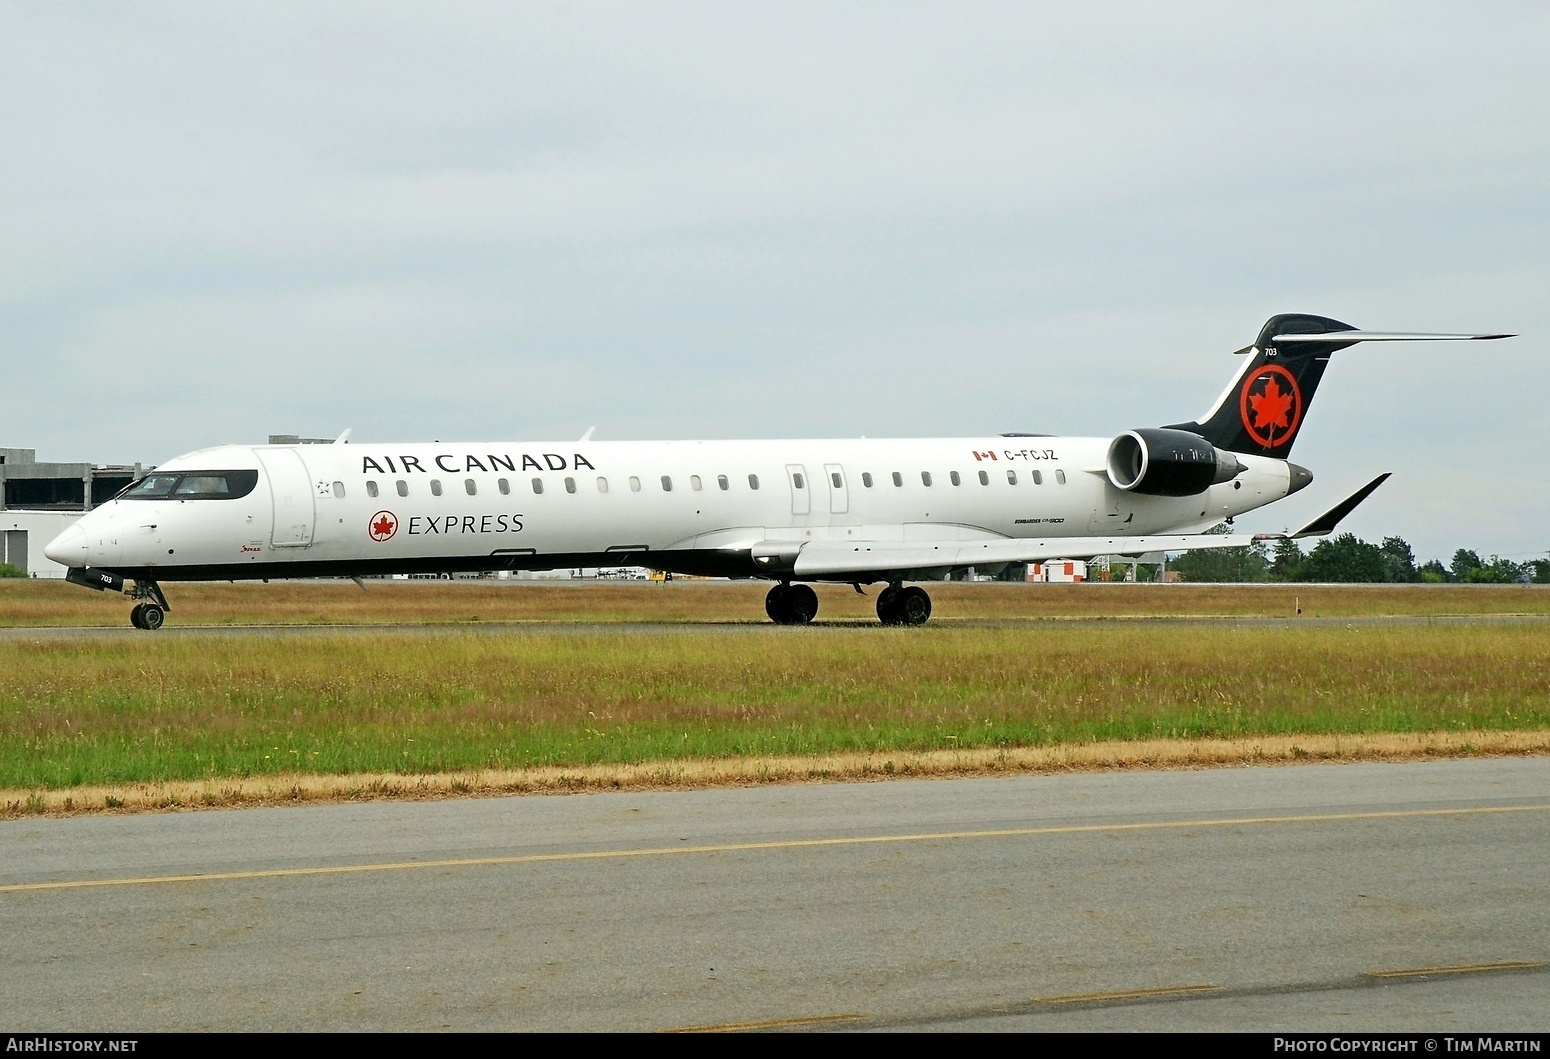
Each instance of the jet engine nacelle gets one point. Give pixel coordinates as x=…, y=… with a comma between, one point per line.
x=1162, y=462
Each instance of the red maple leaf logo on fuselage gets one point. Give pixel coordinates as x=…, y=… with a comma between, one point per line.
x=382, y=525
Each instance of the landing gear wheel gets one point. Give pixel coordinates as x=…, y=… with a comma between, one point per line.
x=888, y=606
x=803, y=604
x=791, y=604
x=775, y=603
x=152, y=608
x=914, y=606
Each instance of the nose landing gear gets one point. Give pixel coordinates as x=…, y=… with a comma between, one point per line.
x=147, y=616
x=898, y=605
x=151, y=611
x=789, y=604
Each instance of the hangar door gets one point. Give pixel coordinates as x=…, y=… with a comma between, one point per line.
x=13, y=549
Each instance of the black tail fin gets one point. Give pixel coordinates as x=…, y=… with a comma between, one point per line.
x=1263, y=407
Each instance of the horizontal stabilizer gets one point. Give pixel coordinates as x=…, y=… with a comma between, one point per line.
x=1327, y=522
x=1380, y=336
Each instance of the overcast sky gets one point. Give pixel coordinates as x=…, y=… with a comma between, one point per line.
x=508, y=221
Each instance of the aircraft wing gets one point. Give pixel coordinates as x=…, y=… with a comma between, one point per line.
x=836, y=558
x=827, y=559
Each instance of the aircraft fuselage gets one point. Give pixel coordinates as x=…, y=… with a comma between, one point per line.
x=682, y=506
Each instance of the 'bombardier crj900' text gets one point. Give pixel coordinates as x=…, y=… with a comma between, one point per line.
x=851, y=511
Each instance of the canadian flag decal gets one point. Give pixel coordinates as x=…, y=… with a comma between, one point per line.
x=985, y=455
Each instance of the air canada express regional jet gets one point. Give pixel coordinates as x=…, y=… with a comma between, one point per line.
x=854, y=511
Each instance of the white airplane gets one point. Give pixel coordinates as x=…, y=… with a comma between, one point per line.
x=855, y=511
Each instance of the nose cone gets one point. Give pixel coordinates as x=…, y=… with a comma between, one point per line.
x=69, y=548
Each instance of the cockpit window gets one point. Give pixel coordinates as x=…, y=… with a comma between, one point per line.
x=152, y=487
x=195, y=485
x=202, y=485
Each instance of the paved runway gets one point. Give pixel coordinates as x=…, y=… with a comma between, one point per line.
x=1305, y=897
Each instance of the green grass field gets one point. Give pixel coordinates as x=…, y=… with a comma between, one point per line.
x=83, y=711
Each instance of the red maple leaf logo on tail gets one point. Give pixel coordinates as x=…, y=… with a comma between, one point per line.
x=1271, y=406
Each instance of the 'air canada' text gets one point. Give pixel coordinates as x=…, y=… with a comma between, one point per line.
x=453, y=464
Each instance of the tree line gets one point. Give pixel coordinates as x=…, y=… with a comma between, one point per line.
x=1347, y=558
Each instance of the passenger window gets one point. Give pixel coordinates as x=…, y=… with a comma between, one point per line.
x=694, y=482
x=371, y=489
x=898, y=479
x=338, y=490
x=570, y=485
x=1060, y=477
x=403, y=487
x=952, y=476
x=634, y=484
x=721, y=480
x=834, y=476
x=796, y=481
x=1038, y=477
x=538, y=485
x=602, y=485
x=753, y=481
x=984, y=478
x=866, y=479
x=504, y=486
x=470, y=486
x=435, y=487
x=925, y=477
x=1011, y=477
x=667, y=483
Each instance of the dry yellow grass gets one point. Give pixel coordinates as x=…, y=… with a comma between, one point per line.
x=55, y=603
x=753, y=771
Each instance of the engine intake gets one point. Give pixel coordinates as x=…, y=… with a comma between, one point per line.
x=1161, y=462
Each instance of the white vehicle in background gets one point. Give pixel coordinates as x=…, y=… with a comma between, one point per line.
x=792, y=512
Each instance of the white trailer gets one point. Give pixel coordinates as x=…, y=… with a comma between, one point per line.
x=1069, y=571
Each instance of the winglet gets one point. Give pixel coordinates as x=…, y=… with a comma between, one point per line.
x=1327, y=522
x=343, y=439
x=588, y=435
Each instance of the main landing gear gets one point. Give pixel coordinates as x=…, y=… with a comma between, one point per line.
x=151, y=610
x=789, y=604
x=900, y=605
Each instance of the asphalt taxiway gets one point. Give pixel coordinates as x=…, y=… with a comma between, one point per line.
x=1333, y=897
